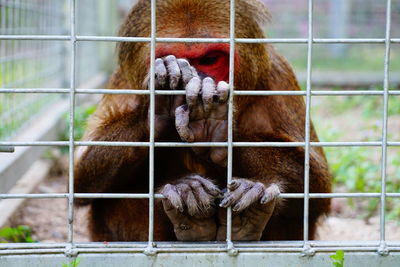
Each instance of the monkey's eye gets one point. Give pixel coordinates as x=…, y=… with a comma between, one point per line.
x=208, y=60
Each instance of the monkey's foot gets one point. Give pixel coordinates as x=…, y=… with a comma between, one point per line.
x=252, y=203
x=204, y=117
x=190, y=205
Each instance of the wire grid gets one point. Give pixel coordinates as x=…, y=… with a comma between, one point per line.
x=306, y=247
x=28, y=63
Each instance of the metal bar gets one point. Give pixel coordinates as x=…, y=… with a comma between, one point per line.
x=71, y=125
x=159, y=196
x=229, y=243
x=182, y=92
x=306, y=246
x=383, y=248
x=199, y=40
x=36, y=37
x=190, y=245
x=198, y=144
x=7, y=149
x=151, y=246
x=211, y=249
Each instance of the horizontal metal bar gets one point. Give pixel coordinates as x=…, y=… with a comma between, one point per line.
x=198, y=144
x=198, y=40
x=192, y=249
x=105, y=195
x=7, y=149
x=189, y=245
x=182, y=92
x=33, y=90
x=33, y=196
x=159, y=196
x=36, y=37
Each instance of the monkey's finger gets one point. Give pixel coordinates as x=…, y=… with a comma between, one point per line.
x=208, y=91
x=194, y=72
x=222, y=92
x=211, y=188
x=174, y=71
x=204, y=200
x=182, y=123
x=190, y=200
x=185, y=70
x=272, y=192
x=161, y=73
x=192, y=91
x=173, y=199
x=250, y=197
x=233, y=196
x=233, y=185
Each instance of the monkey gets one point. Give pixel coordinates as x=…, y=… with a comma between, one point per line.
x=193, y=180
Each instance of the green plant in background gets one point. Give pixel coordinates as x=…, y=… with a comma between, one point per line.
x=81, y=116
x=74, y=263
x=19, y=234
x=358, y=169
x=338, y=259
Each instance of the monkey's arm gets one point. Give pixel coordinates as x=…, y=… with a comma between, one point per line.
x=117, y=118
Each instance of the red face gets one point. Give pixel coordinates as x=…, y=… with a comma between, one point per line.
x=210, y=60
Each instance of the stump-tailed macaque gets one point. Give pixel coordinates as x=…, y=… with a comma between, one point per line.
x=193, y=179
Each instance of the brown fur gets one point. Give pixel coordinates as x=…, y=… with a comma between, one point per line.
x=256, y=118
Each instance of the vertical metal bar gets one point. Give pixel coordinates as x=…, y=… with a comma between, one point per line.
x=71, y=125
x=383, y=248
x=306, y=247
x=231, y=249
x=150, y=250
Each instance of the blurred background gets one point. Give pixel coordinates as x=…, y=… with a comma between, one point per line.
x=28, y=64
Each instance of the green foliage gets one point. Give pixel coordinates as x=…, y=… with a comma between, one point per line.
x=338, y=259
x=19, y=234
x=81, y=116
x=354, y=168
x=358, y=169
x=74, y=263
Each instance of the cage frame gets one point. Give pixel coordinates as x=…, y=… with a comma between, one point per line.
x=283, y=253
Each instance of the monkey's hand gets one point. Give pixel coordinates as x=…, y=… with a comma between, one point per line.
x=190, y=205
x=252, y=203
x=170, y=74
x=204, y=117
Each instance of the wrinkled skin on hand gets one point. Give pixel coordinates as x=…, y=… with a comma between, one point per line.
x=252, y=206
x=204, y=117
x=190, y=202
x=170, y=74
x=190, y=205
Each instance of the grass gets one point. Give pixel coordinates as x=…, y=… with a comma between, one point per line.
x=19, y=234
x=81, y=115
x=338, y=259
x=358, y=169
x=74, y=263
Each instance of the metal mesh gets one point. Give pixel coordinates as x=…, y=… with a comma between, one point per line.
x=305, y=247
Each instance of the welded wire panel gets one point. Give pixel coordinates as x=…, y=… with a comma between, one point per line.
x=26, y=39
x=383, y=247
x=22, y=64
